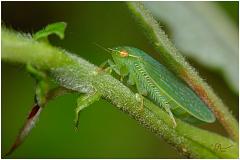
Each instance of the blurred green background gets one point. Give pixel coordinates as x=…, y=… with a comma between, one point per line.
x=105, y=132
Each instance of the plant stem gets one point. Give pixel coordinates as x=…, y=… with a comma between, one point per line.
x=176, y=62
x=77, y=74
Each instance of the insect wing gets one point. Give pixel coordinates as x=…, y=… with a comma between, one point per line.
x=177, y=91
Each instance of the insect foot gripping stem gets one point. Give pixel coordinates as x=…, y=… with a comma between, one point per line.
x=111, y=66
x=83, y=102
x=102, y=66
x=167, y=108
x=141, y=100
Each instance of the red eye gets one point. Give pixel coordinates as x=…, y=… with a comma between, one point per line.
x=123, y=53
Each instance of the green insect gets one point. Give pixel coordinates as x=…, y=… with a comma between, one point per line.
x=156, y=82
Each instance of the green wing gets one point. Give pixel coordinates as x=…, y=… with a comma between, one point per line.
x=178, y=91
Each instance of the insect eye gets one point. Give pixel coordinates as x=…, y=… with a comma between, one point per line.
x=123, y=53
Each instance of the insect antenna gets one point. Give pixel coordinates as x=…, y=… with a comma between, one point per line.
x=108, y=50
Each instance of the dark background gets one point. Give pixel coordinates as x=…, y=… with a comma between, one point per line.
x=105, y=132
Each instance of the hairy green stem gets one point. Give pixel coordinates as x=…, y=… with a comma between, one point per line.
x=177, y=63
x=77, y=74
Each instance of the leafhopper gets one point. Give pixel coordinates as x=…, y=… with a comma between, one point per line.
x=160, y=85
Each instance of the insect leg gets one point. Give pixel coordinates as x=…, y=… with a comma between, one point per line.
x=102, y=67
x=122, y=70
x=103, y=64
x=83, y=102
x=140, y=88
x=140, y=99
x=161, y=100
x=142, y=91
x=167, y=108
x=131, y=80
x=113, y=66
x=108, y=69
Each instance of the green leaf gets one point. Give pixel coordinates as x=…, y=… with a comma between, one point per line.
x=54, y=28
x=202, y=30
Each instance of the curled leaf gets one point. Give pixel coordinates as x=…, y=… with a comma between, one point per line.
x=54, y=28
